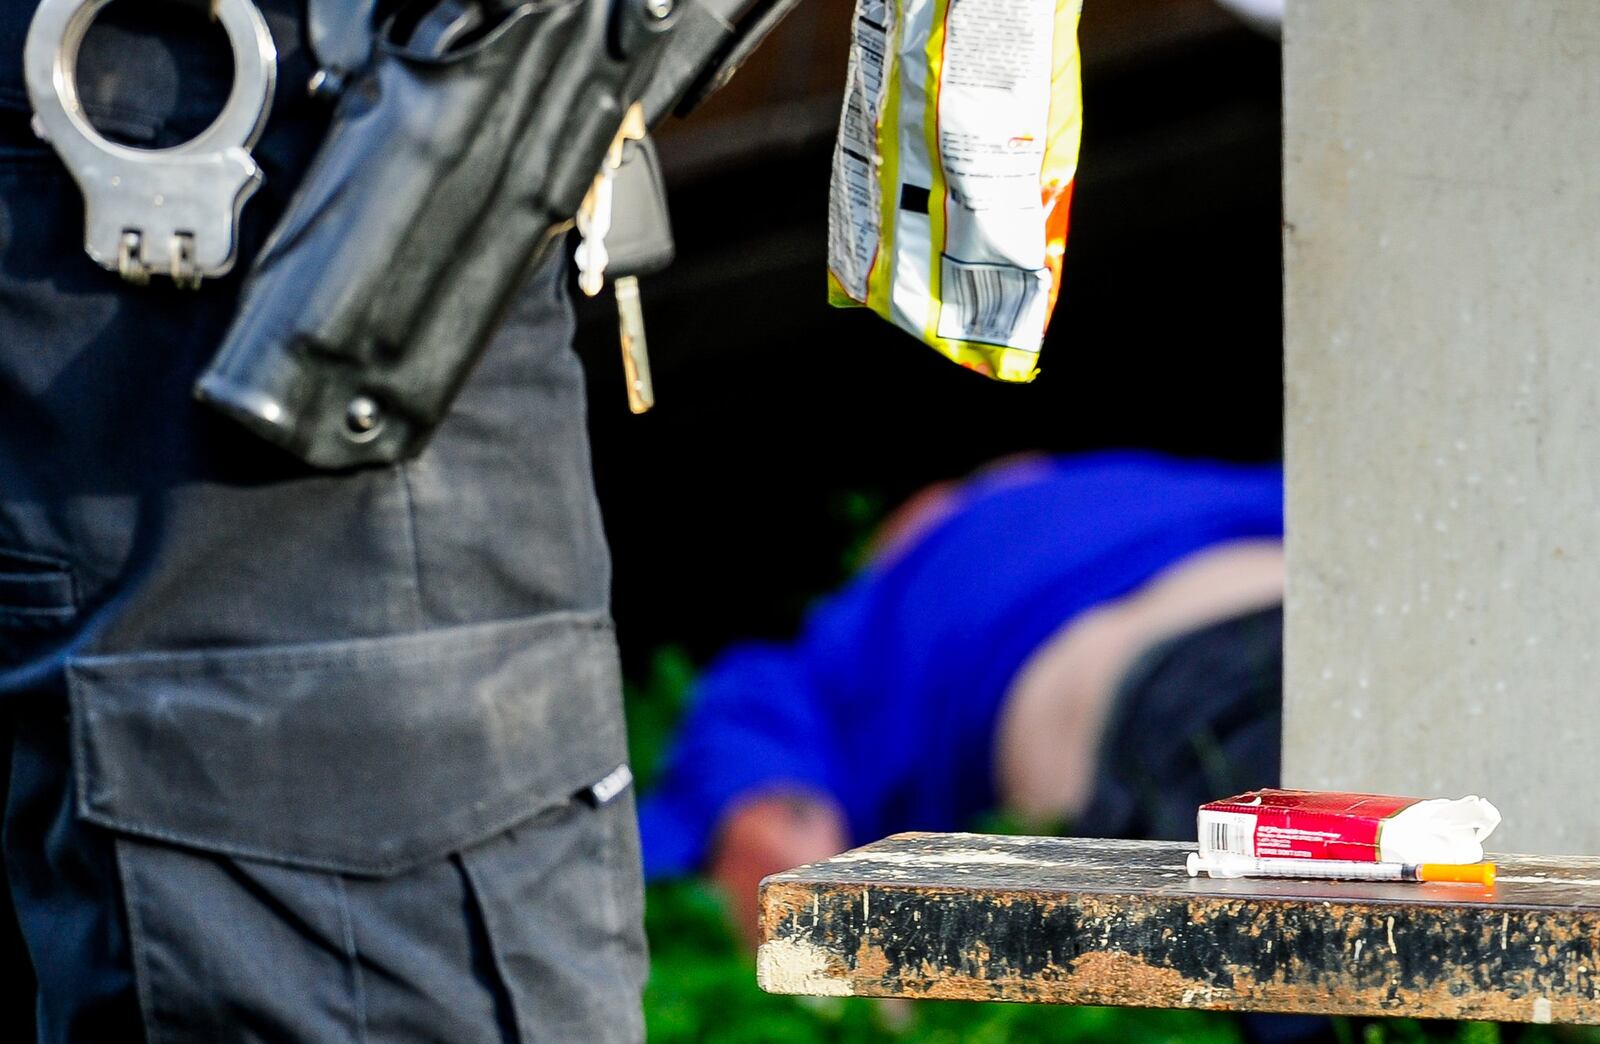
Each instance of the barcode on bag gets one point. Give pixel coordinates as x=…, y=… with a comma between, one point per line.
x=1227, y=833
x=994, y=304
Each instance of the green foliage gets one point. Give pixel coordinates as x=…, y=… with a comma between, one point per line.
x=654, y=708
x=1413, y=1031
x=858, y=513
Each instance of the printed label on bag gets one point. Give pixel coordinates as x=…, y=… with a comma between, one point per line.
x=953, y=173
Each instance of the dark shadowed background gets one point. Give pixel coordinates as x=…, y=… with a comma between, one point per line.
x=785, y=424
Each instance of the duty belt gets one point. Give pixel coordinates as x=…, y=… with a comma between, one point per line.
x=467, y=136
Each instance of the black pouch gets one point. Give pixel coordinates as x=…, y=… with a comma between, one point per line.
x=365, y=756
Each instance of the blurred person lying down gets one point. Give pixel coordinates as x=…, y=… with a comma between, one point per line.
x=1091, y=642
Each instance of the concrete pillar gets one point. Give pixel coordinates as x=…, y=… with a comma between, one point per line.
x=1442, y=295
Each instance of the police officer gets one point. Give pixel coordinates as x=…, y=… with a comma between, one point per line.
x=293, y=755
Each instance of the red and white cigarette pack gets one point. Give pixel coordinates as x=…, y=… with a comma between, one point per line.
x=1309, y=824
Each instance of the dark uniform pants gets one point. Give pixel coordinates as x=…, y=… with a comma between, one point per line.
x=293, y=756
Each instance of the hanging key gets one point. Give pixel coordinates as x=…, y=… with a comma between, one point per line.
x=638, y=243
x=595, y=212
x=635, y=349
x=594, y=224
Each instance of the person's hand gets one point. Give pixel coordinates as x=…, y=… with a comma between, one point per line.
x=768, y=834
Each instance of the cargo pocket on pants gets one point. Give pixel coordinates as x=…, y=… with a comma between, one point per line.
x=276, y=807
x=562, y=899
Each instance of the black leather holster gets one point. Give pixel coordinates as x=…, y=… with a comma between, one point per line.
x=445, y=176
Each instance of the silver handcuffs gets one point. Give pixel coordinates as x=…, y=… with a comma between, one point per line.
x=171, y=212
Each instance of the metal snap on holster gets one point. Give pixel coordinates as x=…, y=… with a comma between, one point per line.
x=174, y=211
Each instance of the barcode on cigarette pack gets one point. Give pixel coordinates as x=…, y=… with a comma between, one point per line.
x=1227, y=833
x=994, y=304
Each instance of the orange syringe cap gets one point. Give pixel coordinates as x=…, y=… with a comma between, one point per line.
x=1463, y=873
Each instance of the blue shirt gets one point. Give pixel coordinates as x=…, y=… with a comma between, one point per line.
x=889, y=699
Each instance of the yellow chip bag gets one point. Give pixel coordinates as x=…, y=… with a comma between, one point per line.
x=952, y=176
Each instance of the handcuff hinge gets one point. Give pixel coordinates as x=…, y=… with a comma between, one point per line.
x=172, y=212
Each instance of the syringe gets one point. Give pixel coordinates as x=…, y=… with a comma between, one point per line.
x=1340, y=869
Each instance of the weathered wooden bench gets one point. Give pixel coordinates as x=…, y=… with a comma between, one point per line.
x=1076, y=921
